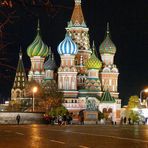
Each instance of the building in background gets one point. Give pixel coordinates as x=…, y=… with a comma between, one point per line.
x=18, y=89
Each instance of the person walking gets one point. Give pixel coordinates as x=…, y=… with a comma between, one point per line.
x=60, y=120
x=18, y=117
x=64, y=120
x=124, y=120
x=82, y=120
x=129, y=121
x=81, y=117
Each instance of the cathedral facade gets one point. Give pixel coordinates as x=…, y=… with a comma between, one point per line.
x=82, y=76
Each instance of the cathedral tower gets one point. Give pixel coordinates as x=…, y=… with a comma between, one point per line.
x=93, y=64
x=49, y=66
x=49, y=83
x=78, y=30
x=18, y=89
x=109, y=73
x=67, y=72
x=37, y=51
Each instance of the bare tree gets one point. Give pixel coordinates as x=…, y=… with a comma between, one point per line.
x=13, y=12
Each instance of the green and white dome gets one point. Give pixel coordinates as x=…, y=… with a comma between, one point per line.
x=107, y=46
x=37, y=47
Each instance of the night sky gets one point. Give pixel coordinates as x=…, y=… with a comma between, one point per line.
x=129, y=31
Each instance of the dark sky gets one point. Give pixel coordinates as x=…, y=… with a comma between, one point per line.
x=129, y=31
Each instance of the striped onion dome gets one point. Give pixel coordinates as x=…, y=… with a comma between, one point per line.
x=67, y=46
x=50, y=63
x=107, y=46
x=37, y=47
x=93, y=62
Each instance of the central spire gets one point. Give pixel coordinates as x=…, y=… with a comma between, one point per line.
x=78, y=2
x=20, y=54
x=107, y=28
x=77, y=15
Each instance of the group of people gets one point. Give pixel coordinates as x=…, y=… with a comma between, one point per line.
x=65, y=119
x=126, y=120
x=60, y=119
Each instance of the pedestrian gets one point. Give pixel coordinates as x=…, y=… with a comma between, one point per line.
x=121, y=121
x=124, y=120
x=18, y=117
x=64, y=119
x=81, y=117
x=112, y=122
x=82, y=120
x=60, y=120
x=129, y=121
x=52, y=120
x=70, y=119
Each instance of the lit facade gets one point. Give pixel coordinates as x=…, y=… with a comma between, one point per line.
x=81, y=75
x=37, y=51
x=18, y=89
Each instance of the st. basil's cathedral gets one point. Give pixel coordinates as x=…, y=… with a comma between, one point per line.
x=82, y=76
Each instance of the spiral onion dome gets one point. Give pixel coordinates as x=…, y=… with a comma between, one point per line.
x=93, y=62
x=107, y=46
x=67, y=46
x=37, y=47
x=50, y=64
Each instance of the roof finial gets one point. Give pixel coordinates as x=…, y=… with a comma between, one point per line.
x=107, y=27
x=52, y=57
x=66, y=34
x=93, y=46
x=38, y=27
x=77, y=2
x=20, y=54
x=94, y=52
x=49, y=52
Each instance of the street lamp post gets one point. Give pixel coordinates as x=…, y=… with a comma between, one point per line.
x=144, y=90
x=34, y=90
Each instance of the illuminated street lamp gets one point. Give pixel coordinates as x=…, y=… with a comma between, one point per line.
x=144, y=90
x=34, y=90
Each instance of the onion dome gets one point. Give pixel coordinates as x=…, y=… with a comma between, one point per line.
x=107, y=45
x=37, y=47
x=67, y=46
x=50, y=63
x=93, y=62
